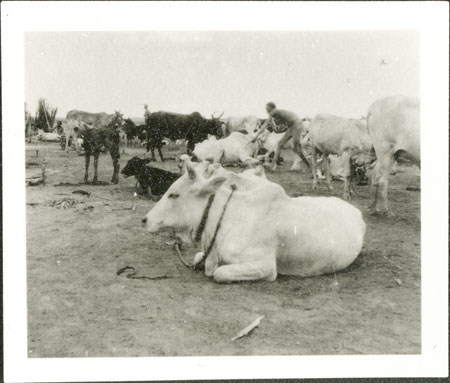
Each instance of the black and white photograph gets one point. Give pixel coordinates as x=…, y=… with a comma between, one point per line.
x=203, y=191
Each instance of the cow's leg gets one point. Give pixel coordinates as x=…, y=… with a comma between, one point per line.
x=115, y=155
x=67, y=142
x=87, y=156
x=380, y=184
x=326, y=164
x=160, y=154
x=346, y=173
x=96, y=155
x=314, y=166
x=152, y=150
x=247, y=271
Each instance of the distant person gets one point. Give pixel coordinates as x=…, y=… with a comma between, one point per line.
x=146, y=114
x=294, y=129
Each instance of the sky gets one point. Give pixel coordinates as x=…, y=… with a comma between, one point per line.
x=336, y=72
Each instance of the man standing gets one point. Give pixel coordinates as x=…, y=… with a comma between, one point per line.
x=294, y=130
x=146, y=114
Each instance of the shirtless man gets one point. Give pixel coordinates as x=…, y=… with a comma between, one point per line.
x=294, y=130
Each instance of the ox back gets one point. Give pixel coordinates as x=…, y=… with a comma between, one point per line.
x=192, y=127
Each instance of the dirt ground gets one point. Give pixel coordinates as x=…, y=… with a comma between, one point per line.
x=79, y=307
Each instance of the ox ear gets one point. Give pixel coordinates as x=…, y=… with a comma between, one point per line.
x=211, y=186
x=191, y=170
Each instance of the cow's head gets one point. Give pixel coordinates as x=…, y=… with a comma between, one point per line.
x=134, y=166
x=215, y=126
x=182, y=206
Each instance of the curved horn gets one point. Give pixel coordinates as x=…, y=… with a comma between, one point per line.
x=212, y=115
x=220, y=116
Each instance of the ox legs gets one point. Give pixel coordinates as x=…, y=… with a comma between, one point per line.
x=248, y=271
x=347, y=174
x=152, y=150
x=67, y=142
x=326, y=164
x=380, y=183
x=160, y=154
x=314, y=166
x=87, y=156
x=96, y=155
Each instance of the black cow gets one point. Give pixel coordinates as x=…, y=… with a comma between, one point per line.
x=192, y=127
x=158, y=180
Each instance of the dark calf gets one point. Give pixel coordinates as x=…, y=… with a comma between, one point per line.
x=158, y=180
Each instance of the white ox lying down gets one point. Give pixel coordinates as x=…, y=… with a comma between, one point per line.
x=230, y=150
x=235, y=124
x=44, y=136
x=394, y=126
x=344, y=137
x=263, y=231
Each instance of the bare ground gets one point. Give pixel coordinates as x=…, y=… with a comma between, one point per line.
x=78, y=306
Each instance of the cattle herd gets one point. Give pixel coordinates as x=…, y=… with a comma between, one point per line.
x=248, y=227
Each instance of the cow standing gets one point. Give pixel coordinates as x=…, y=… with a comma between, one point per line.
x=343, y=137
x=394, y=126
x=192, y=127
x=95, y=139
x=77, y=120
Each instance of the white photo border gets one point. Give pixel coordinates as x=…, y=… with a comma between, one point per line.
x=430, y=18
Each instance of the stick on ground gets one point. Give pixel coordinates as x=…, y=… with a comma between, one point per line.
x=248, y=329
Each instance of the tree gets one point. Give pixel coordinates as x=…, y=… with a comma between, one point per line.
x=45, y=116
x=130, y=128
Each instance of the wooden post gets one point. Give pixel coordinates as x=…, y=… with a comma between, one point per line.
x=43, y=172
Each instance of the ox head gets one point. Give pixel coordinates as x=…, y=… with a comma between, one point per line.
x=215, y=125
x=182, y=206
x=134, y=166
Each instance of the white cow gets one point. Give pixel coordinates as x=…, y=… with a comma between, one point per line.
x=394, y=126
x=51, y=137
x=236, y=124
x=263, y=231
x=230, y=150
x=269, y=141
x=344, y=137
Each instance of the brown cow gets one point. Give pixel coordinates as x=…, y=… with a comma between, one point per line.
x=95, y=139
x=77, y=121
